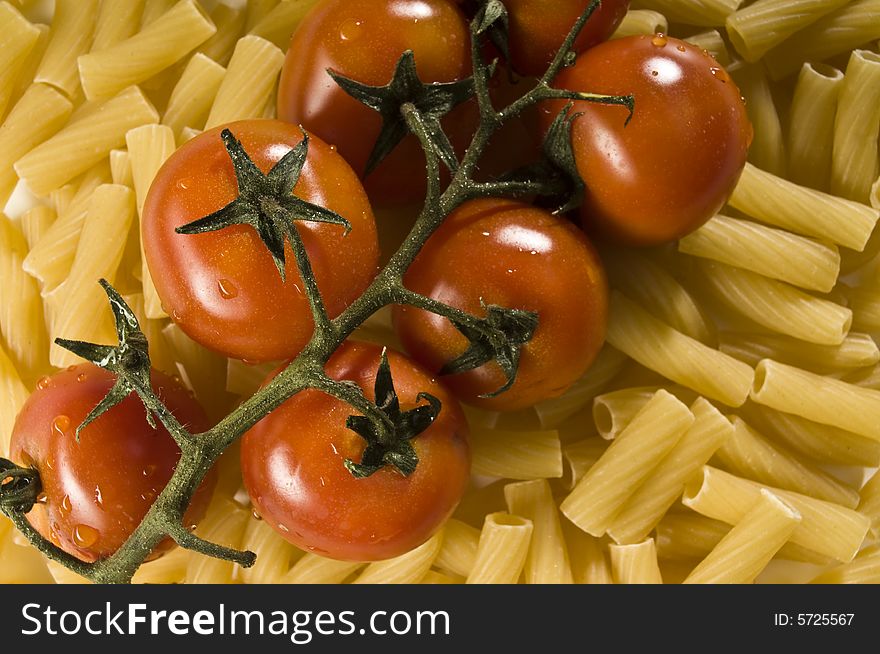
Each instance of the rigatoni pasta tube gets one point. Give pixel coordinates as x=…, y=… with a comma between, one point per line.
x=274, y=554
x=855, y=162
x=315, y=569
x=864, y=569
x=547, y=561
x=822, y=399
x=856, y=351
x=811, y=125
x=502, y=550
x=407, y=568
x=229, y=22
x=516, y=454
x=641, y=21
x=774, y=253
x=613, y=411
x=193, y=94
x=747, y=549
x=779, y=202
x=83, y=313
x=762, y=25
x=277, y=25
x=159, y=45
x=603, y=491
x=17, y=39
x=869, y=501
x=459, y=549
x=767, y=150
x=13, y=394
x=85, y=142
x=248, y=83
x=578, y=457
x=117, y=20
x=712, y=42
x=224, y=525
x=710, y=13
x=647, y=505
x=659, y=347
x=71, y=34
x=828, y=529
x=635, y=564
x=20, y=133
x=748, y=454
x=777, y=306
x=588, y=554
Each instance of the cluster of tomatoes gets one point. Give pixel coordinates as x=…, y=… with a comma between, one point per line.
x=647, y=182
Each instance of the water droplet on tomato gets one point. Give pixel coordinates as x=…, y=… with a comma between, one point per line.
x=99, y=497
x=81, y=377
x=350, y=30
x=66, y=506
x=183, y=184
x=227, y=289
x=681, y=48
x=44, y=383
x=71, y=368
x=85, y=536
x=654, y=73
x=720, y=74
x=42, y=498
x=283, y=528
x=175, y=316
x=148, y=496
x=256, y=515
x=60, y=425
x=149, y=470
x=659, y=39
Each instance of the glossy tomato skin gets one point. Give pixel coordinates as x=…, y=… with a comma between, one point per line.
x=674, y=166
x=292, y=463
x=223, y=288
x=513, y=255
x=96, y=491
x=363, y=40
x=539, y=27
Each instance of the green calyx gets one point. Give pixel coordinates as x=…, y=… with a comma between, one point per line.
x=266, y=202
x=431, y=102
x=19, y=487
x=389, y=439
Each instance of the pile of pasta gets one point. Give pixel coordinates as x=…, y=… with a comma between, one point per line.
x=729, y=430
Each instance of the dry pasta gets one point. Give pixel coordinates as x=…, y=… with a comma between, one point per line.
x=635, y=564
x=502, y=550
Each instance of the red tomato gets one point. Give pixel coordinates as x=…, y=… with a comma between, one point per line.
x=674, y=166
x=292, y=462
x=222, y=287
x=96, y=491
x=363, y=40
x=509, y=254
x=539, y=27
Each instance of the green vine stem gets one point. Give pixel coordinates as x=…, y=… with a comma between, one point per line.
x=130, y=359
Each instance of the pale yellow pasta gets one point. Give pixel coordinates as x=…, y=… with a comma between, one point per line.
x=578, y=457
x=864, y=302
x=50, y=259
x=516, y=454
x=17, y=38
x=869, y=501
x=656, y=290
x=117, y=20
x=747, y=549
x=547, y=561
x=148, y=146
x=274, y=554
x=771, y=252
x=627, y=463
x=613, y=411
x=249, y=81
x=36, y=222
x=223, y=525
x=20, y=133
x=433, y=577
x=856, y=162
x=85, y=142
x=811, y=125
x=202, y=370
x=821, y=399
x=828, y=529
x=748, y=454
x=277, y=25
x=459, y=549
x=230, y=23
x=641, y=21
x=28, y=69
x=710, y=13
x=70, y=36
x=659, y=347
x=712, y=42
x=635, y=564
x=822, y=443
x=154, y=10
x=257, y=11
x=407, y=568
x=13, y=394
x=688, y=536
x=158, y=46
x=779, y=202
x=762, y=25
x=864, y=569
x=856, y=351
x=866, y=377
x=851, y=26
x=120, y=168
x=777, y=306
x=315, y=569
x=647, y=505
x=502, y=550
x=21, y=309
x=83, y=313
x=193, y=94
x=244, y=379
x=22, y=564
x=170, y=568
x=767, y=150
x=607, y=365
x=589, y=561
